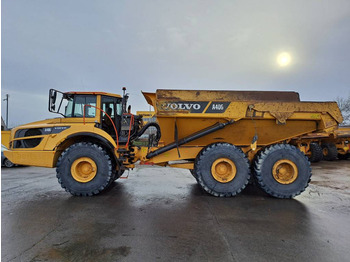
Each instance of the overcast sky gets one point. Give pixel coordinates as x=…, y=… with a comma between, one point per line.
x=149, y=45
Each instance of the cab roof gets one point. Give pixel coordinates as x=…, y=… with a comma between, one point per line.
x=93, y=93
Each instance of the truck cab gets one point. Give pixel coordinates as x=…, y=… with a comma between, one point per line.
x=98, y=117
x=108, y=111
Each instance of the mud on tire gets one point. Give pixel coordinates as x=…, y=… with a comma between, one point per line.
x=294, y=163
x=97, y=155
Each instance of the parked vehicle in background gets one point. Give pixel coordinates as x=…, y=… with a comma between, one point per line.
x=5, y=138
x=4, y=160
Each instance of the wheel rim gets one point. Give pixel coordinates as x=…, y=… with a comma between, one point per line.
x=8, y=163
x=325, y=151
x=83, y=169
x=285, y=171
x=223, y=170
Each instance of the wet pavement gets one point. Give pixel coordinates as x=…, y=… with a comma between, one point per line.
x=161, y=214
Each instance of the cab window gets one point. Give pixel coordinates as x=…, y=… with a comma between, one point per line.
x=75, y=106
x=112, y=107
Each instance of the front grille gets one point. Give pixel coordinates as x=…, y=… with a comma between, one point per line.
x=27, y=143
x=28, y=132
x=34, y=142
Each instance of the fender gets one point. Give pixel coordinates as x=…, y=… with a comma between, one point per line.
x=100, y=138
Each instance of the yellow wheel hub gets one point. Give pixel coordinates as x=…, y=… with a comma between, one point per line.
x=285, y=171
x=325, y=151
x=83, y=169
x=223, y=170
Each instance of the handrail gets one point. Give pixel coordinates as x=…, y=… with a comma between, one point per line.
x=131, y=123
x=115, y=129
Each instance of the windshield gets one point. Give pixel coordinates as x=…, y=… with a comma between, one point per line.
x=74, y=106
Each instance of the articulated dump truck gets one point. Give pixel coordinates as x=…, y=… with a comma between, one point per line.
x=224, y=138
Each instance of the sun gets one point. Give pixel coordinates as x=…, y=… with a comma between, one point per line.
x=284, y=59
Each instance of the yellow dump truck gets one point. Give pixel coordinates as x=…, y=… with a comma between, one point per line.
x=342, y=142
x=223, y=137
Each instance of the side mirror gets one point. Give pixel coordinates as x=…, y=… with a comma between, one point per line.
x=52, y=98
x=55, y=95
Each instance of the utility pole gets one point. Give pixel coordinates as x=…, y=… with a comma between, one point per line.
x=7, y=110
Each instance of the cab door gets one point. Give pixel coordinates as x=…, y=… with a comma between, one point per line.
x=112, y=114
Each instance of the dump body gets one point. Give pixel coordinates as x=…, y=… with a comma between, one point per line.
x=273, y=116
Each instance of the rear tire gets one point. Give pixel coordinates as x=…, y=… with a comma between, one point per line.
x=330, y=151
x=282, y=171
x=316, y=153
x=222, y=170
x=84, y=169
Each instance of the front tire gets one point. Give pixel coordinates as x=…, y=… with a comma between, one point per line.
x=282, y=171
x=84, y=169
x=8, y=163
x=222, y=170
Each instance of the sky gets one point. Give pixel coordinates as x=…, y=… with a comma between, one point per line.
x=85, y=45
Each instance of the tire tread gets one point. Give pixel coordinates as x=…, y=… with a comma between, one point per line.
x=258, y=167
x=201, y=157
x=77, y=193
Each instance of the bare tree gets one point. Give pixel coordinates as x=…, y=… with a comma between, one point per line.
x=344, y=106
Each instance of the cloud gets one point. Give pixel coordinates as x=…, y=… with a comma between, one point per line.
x=145, y=45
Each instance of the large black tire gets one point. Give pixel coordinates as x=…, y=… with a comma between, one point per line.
x=296, y=168
x=193, y=173
x=330, y=151
x=316, y=153
x=118, y=174
x=95, y=155
x=230, y=158
x=344, y=156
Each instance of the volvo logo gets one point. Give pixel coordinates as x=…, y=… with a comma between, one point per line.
x=191, y=106
x=180, y=106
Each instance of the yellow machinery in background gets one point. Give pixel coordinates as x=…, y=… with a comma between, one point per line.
x=5, y=138
x=147, y=116
x=223, y=137
x=327, y=146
